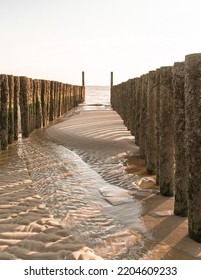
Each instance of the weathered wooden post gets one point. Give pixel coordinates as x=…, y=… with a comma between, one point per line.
x=180, y=175
x=4, y=111
x=166, y=132
x=24, y=107
x=130, y=104
x=0, y=114
x=138, y=83
x=38, y=109
x=59, y=99
x=11, y=109
x=123, y=104
x=31, y=100
x=111, y=79
x=16, y=106
x=47, y=102
x=65, y=99
x=83, y=79
x=43, y=101
x=83, y=94
x=51, y=114
x=143, y=119
x=133, y=101
x=127, y=104
x=193, y=142
x=157, y=126
x=151, y=123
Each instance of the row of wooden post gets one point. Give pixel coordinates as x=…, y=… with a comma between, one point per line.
x=162, y=109
x=40, y=102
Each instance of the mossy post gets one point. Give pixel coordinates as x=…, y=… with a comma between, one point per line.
x=63, y=99
x=143, y=120
x=55, y=100
x=38, y=109
x=166, y=132
x=31, y=100
x=47, y=102
x=180, y=175
x=193, y=141
x=4, y=111
x=11, y=109
x=68, y=96
x=16, y=106
x=24, y=106
x=151, y=123
x=157, y=169
x=59, y=87
x=51, y=114
x=44, y=102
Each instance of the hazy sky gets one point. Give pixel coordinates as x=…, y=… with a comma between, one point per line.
x=58, y=39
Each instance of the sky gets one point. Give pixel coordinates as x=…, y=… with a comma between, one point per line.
x=58, y=39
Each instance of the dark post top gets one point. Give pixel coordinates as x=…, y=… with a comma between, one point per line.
x=111, y=84
x=83, y=83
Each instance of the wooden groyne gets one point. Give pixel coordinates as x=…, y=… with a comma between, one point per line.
x=162, y=109
x=38, y=101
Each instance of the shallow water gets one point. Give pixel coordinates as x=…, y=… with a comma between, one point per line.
x=72, y=190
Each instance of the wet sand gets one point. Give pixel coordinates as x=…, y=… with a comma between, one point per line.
x=27, y=228
x=118, y=215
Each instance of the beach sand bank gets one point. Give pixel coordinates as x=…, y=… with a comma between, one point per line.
x=29, y=229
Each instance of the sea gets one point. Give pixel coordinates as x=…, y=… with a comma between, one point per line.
x=97, y=98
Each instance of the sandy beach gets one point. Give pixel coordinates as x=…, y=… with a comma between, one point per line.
x=122, y=210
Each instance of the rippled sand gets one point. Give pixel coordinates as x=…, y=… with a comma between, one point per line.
x=79, y=190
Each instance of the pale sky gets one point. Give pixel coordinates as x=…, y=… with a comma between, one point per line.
x=58, y=39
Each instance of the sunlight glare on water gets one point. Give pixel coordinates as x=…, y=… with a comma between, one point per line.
x=97, y=98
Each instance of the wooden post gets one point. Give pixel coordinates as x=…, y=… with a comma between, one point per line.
x=111, y=81
x=31, y=99
x=157, y=125
x=24, y=106
x=83, y=81
x=180, y=175
x=151, y=123
x=193, y=140
x=138, y=83
x=166, y=132
x=51, y=114
x=4, y=111
x=11, y=110
x=16, y=104
x=143, y=115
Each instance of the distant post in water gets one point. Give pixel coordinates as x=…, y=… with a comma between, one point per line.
x=111, y=81
x=83, y=82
